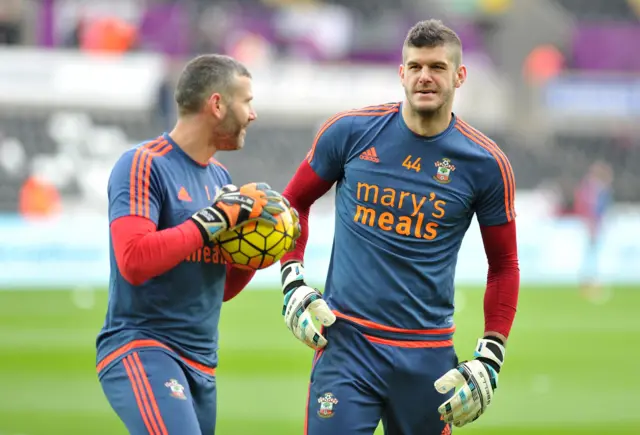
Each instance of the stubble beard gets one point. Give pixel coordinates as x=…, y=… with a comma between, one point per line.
x=229, y=134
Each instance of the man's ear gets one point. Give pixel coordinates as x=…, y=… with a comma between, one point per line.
x=215, y=105
x=461, y=75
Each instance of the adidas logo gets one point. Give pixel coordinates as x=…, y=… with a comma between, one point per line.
x=370, y=155
x=183, y=195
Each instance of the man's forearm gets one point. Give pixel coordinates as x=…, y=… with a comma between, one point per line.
x=503, y=279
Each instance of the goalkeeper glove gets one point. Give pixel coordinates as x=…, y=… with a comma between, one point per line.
x=233, y=207
x=474, y=383
x=301, y=304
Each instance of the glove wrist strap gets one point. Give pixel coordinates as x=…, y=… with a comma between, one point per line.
x=292, y=276
x=210, y=221
x=490, y=352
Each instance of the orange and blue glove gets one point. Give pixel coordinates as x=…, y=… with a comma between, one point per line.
x=234, y=206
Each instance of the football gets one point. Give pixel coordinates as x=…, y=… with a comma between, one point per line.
x=257, y=245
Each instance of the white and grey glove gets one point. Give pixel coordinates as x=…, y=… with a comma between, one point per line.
x=301, y=305
x=474, y=382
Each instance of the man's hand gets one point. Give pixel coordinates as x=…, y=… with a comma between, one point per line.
x=301, y=305
x=297, y=228
x=474, y=383
x=233, y=207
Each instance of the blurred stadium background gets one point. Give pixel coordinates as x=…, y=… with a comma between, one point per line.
x=555, y=82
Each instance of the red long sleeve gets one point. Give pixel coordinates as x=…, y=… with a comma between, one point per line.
x=143, y=253
x=302, y=191
x=503, y=280
x=237, y=280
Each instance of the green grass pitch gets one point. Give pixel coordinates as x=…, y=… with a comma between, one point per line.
x=571, y=366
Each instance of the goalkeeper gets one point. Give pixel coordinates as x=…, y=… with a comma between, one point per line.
x=409, y=177
x=168, y=202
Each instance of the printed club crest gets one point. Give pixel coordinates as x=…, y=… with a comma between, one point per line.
x=443, y=173
x=327, y=403
x=177, y=390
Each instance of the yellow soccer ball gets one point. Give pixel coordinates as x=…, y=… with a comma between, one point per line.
x=258, y=245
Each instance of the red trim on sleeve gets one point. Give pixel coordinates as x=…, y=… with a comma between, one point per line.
x=142, y=252
x=504, y=165
x=237, y=280
x=302, y=191
x=140, y=175
x=503, y=280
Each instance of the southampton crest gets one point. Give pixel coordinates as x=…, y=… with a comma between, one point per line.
x=177, y=390
x=443, y=173
x=327, y=403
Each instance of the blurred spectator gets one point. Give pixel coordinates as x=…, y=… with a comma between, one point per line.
x=107, y=34
x=11, y=21
x=543, y=63
x=102, y=22
x=38, y=199
x=592, y=201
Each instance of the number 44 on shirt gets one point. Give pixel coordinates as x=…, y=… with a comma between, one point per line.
x=412, y=165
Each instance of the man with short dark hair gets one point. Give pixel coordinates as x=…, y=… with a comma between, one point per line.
x=169, y=200
x=410, y=176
